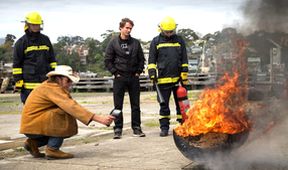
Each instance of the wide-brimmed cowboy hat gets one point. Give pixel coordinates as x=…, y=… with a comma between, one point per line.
x=64, y=70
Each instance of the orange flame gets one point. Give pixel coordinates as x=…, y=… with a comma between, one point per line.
x=217, y=110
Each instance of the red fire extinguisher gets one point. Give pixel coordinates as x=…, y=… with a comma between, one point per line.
x=183, y=101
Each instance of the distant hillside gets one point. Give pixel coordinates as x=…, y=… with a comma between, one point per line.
x=2, y=40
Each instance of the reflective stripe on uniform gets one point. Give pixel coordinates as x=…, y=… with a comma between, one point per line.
x=36, y=48
x=53, y=64
x=168, y=45
x=167, y=80
x=184, y=65
x=163, y=117
x=16, y=71
x=151, y=66
x=179, y=116
x=31, y=85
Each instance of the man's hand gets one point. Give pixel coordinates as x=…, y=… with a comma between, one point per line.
x=152, y=75
x=153, y=79
x=184, y=78
x=18, y=86
x=105, y=120
x=109, y=119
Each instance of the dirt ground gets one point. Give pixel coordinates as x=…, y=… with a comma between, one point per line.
x=266, y=145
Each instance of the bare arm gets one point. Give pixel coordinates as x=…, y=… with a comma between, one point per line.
x=105, y=120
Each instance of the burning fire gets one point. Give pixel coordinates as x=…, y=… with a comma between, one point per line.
x=218, y=110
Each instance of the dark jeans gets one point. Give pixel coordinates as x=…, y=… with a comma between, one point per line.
x=52, y=142
x=131, y=84
x=166, y=90
x=24, y=95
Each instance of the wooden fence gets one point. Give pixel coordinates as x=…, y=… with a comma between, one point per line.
x=196, y=81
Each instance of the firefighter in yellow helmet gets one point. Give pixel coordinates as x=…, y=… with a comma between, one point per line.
x=33, y=56
x=167, y=66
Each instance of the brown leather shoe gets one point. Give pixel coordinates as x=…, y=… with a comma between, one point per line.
x=31, y=146
x=57, y=154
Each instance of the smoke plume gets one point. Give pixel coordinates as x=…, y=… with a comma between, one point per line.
x=266, y=146
x=265, y=15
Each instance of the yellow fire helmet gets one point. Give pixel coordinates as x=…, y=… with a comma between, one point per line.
x=33, y=18
x=167, y=24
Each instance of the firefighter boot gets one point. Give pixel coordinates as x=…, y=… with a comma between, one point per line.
x=164, y=133
x=31, y=146
x=57, y=154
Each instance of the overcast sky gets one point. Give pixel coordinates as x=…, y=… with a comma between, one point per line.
x=91, y=18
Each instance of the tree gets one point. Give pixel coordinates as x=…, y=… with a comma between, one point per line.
x=72, y=60
x=107, y=37
x=6, y=50
x=10, y=39
x=66, y=54
x=95, y=57
x=70, y=40
x=188, y=35
x=94, y=47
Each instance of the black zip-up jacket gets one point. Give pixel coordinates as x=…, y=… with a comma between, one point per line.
x=124, y=61
x=168, y=55
x=33, y=58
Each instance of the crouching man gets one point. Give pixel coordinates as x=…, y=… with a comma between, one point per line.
x=49, y=115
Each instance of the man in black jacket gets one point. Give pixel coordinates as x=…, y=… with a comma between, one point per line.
x=33, y=56
x=124, y=58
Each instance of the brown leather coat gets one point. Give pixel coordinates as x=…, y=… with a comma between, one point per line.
x=51, y=111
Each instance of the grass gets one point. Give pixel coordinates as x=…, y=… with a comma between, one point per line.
x=155, y=122
x=10, y=112
x=152, y=123
x=10, y=104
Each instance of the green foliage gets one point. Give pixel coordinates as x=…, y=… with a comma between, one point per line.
x=6, y=50
x=2, y=53
x=99, y=69
x=9, y=39
x=188, y=35
x=107, y=37
x=69, y=40
x=66, y=50
x=72, y=60
x=67, y=54
x=152, y=123
x=94, y=49
x=95, y=58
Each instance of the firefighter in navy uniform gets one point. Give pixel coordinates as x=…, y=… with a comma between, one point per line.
x=33, y=56
x=167, y=65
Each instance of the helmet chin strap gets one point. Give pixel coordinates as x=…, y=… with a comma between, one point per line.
x=26, y=27
x=42, y=26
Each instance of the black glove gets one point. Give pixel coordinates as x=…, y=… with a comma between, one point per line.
x=152, y=75
x=18, y=86
x=184, y=78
